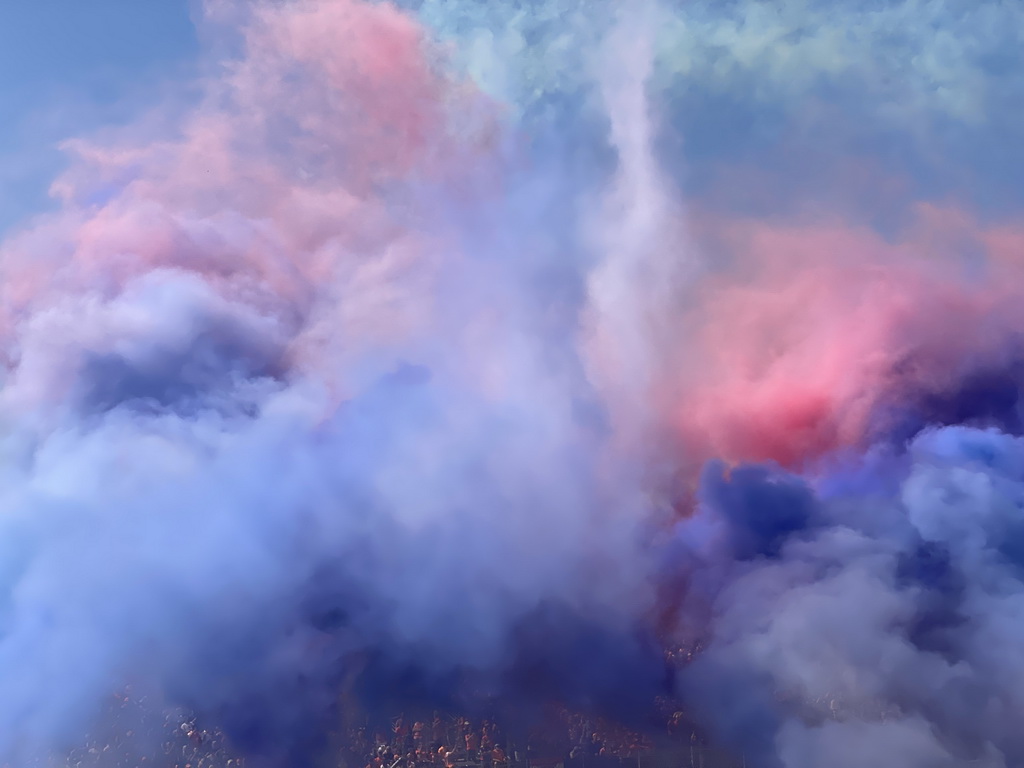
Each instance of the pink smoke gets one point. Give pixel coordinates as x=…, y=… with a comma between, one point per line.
x=290, y=188
x=811, y=328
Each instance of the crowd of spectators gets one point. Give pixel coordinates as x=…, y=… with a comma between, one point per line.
x=583, y=741
x=569, y=738
x=442, y=741
x=133, y=734
x=565, y=737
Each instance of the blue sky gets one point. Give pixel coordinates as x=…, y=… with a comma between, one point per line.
x=931, y=89
x=68, y=67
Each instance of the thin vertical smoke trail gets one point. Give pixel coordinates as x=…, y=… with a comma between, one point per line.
x=636, y=287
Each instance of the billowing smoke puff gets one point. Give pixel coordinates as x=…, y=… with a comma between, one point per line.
x=370, y=367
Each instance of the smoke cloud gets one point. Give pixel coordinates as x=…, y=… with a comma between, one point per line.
x=450, y=351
